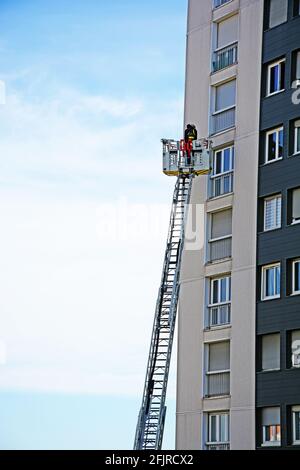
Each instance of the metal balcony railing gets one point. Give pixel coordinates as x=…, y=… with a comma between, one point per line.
x=220, y=249
x=225, y=57
x=218, y=315
x=218, y=446
x=223, y=120
x=217, y=384
x=220, y=184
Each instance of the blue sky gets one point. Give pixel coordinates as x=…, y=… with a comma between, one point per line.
x=91, y=87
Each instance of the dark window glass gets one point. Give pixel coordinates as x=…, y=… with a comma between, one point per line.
x=282, y=76
x=297, y=425
x=272, y=147
x=297, y=276
x=273, y=79
x=280, y=138
x=218, y=168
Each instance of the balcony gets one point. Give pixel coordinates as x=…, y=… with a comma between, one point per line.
x=225, y=57
x=223, y=120
x=220, y=248
x=218, y=315
x=218, y=446
x=219, y=3
x=217, y=384
x=220, y=185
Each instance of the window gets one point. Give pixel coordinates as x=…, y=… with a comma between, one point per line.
x=295, y=346
x=271, y=352
x=225, y=37
x=227, y=32
x=295, y=68
x=276, y=77
x=217, y=369
x=219, y=357
x=297, y=137
x=296, y=424
x=225, y=96
x=294, y=206
x=274, y=145
x=296, y=277
x=298, y=66
x=220, y=297
x=220, y=290
x=221, y=180
x=296, y=11
x=218, y=431
x=271, y=282
x=219, y=3
x=221, y=224
x=272, y=212
x=223, y=161
x=271, y=429
x=220, y=236
x=278, y=12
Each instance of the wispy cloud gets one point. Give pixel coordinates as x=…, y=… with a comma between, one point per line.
x=73, y=304
x=84, y=136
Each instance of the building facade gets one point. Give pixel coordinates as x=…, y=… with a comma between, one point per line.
x=238, y=378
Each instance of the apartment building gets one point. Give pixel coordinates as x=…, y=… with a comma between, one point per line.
x=238, y=380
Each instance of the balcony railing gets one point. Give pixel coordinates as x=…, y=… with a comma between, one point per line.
x=220, y=184
x=218, y=446
x=220, y=249
x=223, y=120
x=219, y=3
x=225, y=57
x=218, y=315
x=217, y=384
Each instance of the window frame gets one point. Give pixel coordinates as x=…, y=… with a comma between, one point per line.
x=270, y=198
x=264, y=269
x=295, y=409
x=262, y=355
x=296, y=66
x=294, y=292
x=224, y=237
x=296, y=131
x=218, y=415
x=223, y=2
x=227, y=108
x=266, y=443
x=293, y=221
x=296, y=8
x=270, y=67
x=216, y=24
x=222, y=151
x=269, y=27
x=293, y=365
x=276, y=131
x=221, y=371
x=228, y=290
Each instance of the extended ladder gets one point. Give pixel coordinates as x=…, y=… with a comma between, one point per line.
x=150, y=426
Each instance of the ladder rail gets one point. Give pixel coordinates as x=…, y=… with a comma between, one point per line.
x=150, y=426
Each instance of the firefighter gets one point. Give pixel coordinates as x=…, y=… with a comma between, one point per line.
x=190, y=134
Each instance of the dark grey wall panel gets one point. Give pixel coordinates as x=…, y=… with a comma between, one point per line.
x=278, y=315
x=278, y=388
x=274, y=388
x=282, y=39
x=279, y=176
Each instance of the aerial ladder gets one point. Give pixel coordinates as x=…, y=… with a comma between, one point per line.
x=185, y=161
